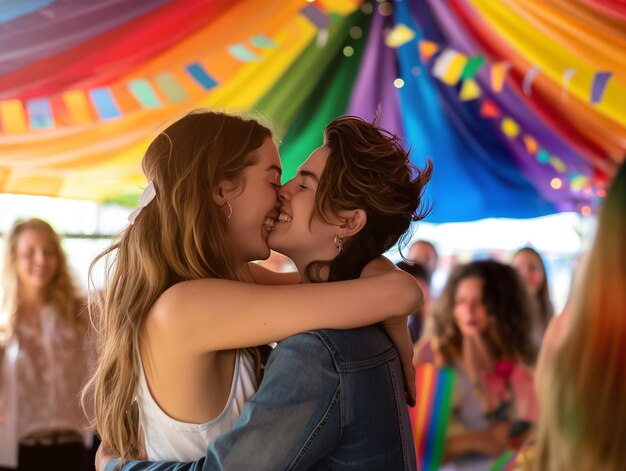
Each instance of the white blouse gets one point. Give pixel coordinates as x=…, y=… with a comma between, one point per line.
x=52, y=368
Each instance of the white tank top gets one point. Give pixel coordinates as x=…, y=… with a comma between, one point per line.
x=173, y=440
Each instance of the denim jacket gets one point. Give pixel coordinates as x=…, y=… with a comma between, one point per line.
x=330, y=399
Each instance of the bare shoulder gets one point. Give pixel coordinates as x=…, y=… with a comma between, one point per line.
x=187, y=296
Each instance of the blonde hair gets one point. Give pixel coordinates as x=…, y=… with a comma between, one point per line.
x=583, y=412
x=61, y=293
x=180, y=235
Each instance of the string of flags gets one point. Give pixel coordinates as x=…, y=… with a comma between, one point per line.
x=453, y=67
x=78, y=107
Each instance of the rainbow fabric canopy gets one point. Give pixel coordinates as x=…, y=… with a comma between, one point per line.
x=521, y=104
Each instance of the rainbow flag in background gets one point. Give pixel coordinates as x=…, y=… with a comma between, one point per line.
x=505, y=462
x=430, y=416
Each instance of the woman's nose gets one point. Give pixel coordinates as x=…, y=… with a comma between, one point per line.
x=284, y=194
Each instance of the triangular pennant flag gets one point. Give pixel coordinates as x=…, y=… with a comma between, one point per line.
x=144, y=94
x=469, y=90
x=489, y=109
x=473, y=66
x=399, y=35
x=600, y=81
x=531, y=144
x=316, y=16
x=499, y=72
x=263, y=42
x=13, y=116
x=567, y=78
x=242, y=53
x=427, y=50
x=543, y=156
x=449, y=65
x=104, y=102
x=509, y=127
x=77, y=106
x=558, y=164
x=197, y=72
x=578, y=182
x=40, y=113
x=529, y=78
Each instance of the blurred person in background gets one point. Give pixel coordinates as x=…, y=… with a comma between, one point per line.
x=581, y=376
x=44, y=354
x=422, y=276
x=481, y=328
x=529, y=264
x=425, y=253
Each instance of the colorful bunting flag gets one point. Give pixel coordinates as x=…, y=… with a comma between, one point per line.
x=104, y=103
x=399, y=35
x=499, y=71
x=144, y=94
x=449, y=65
x=509, y=127
x=558, y=164
x=469, y=90
x=543, y=156
x=427, y=50
x=431, y=414
x=170, y=87
x=531, y=144
x=489, y=109
x=529, y=78
x=568, y=74
x=13, y=116
x=473, y=66
x=40, y=113
x=578, y=182
x=242, y=53
x=78, y=106
x=201, y=76
x=263, y=42
x=600, y=81
x=316, y=16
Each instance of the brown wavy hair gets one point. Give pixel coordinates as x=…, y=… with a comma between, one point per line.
x=510, y=310
x=180, y=235
x=61, y=293
x=367, y=169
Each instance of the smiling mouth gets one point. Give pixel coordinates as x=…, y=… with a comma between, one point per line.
x=284, y=217
x=268, y=224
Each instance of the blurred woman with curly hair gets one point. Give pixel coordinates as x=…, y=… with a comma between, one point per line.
x=481, y=328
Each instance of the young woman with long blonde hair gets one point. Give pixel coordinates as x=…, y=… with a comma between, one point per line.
x=582, y=372
x=176, y=316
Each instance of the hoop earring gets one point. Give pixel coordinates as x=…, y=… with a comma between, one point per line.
x=338, y=241
x=230, y=211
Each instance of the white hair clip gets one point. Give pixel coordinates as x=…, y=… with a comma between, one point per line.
x=148, y=195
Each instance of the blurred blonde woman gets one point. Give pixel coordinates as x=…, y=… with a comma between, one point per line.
x=582, y=376
x=44, y=354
